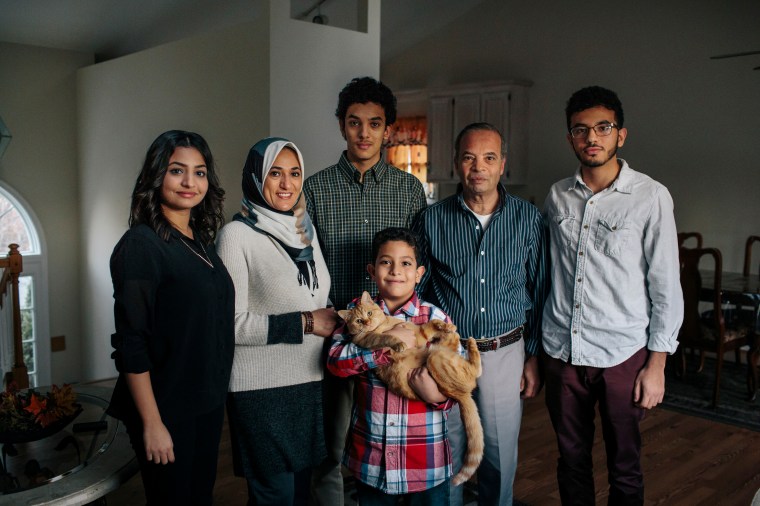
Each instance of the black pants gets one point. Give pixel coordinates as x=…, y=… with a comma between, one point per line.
x=190, y=479
x=284, y=489
x=436, y=496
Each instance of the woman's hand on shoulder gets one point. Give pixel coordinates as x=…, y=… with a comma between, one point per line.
x=325, y=321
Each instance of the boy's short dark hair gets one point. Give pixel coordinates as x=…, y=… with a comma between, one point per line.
x=594, y=96
x=366, y=89
x=394, y=234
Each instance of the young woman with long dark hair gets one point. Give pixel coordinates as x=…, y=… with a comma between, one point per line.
x=174, y=314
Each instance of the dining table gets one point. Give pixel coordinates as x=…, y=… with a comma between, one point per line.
x=740, y=291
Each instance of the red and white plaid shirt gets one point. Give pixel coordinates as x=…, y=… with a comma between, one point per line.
x=394, y=444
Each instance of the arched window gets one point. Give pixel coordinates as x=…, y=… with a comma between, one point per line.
x=19, y=225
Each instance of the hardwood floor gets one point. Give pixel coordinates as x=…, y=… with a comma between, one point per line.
x=687, y=461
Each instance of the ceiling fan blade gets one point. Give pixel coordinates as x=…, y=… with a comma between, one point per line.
x=732, y=55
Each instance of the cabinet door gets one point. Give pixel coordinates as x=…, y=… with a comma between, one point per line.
x=466, y=111
x=504, y=106
x=517, y=139
x=507, y=111
x=440, y=152
x=496, y=112
x=447, y=116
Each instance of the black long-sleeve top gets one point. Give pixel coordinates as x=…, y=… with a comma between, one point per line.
x=174, y=317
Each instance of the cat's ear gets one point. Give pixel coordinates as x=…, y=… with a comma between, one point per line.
x=366, y=298
x=343, y=313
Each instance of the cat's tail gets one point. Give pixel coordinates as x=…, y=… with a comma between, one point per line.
x=468, y=410
x=473, y=356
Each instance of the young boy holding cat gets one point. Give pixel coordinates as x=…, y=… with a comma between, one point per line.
x=395, y=446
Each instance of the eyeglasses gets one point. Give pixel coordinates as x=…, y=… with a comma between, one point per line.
x=602, y=130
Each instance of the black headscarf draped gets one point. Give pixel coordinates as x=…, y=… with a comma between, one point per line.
x=292, y=229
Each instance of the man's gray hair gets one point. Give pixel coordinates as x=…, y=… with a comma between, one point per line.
x=479, y=126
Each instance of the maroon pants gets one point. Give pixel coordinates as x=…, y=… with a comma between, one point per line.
x=571, y=395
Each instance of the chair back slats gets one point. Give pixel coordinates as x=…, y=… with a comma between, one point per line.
x=691, y=285
x=748, y=254
x=684, y=236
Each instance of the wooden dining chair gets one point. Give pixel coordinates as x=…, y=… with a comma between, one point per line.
x=684, y=236
x=748, y=255
x=753, y=356
x=710, y=333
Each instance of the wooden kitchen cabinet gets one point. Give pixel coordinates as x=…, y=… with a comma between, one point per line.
x=505, y=105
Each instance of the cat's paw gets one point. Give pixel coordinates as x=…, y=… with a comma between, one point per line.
x=442, y=326
x=398, y=347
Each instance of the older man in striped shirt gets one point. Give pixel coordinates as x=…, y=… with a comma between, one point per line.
x=486, y=257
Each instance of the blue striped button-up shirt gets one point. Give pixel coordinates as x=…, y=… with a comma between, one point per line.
x=489, y=281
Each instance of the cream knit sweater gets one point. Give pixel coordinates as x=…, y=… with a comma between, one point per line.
x=268, y=299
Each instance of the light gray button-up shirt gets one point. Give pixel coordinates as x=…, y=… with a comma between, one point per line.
x=615, y=273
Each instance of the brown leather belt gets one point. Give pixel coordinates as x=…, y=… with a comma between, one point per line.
x=494, y=343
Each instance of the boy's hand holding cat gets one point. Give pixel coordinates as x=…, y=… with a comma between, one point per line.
x=425, y=386
x=404, y=334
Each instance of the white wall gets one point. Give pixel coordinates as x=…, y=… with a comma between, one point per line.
x=37, y=103
x=310, y=64
x=693, y=122
x=212, y=84
x=272, y=76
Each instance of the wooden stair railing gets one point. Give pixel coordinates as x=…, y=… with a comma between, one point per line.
x=12, y=267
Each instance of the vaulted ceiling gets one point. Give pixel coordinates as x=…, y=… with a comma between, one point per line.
x=113, y=28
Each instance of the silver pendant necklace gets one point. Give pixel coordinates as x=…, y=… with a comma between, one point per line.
x=203, y=257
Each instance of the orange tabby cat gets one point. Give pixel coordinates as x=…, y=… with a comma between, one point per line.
x=455, y=375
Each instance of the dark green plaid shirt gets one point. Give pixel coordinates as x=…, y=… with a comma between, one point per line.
x=347, y=214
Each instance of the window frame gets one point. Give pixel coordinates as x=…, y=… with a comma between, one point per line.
x=34, y=266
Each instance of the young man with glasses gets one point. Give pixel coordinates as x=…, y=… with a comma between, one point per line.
x=615, y=306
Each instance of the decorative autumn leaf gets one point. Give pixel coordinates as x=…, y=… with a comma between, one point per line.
x=29, y=411
x=36, y=404
x=8, y=402
x=64, y=400
x=45, y=419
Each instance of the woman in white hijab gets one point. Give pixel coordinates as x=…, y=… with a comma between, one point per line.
x=281, y=322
